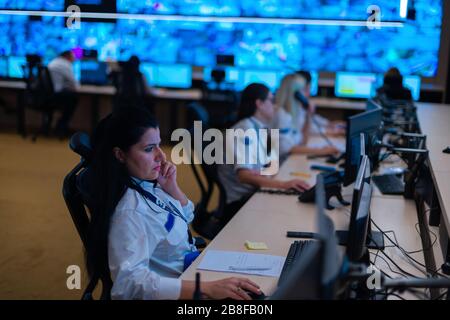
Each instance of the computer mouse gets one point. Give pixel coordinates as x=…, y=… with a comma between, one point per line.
x=256, y=296
x=446, y=150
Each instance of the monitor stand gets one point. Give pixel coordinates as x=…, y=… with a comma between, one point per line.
x=375, y=241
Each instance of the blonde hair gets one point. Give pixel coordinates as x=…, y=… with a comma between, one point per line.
x=284, y=97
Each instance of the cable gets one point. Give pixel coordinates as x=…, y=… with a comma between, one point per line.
x=441, y=296
x=323, y=135
x=432, y=244
x=405, y=253
x=389, y=266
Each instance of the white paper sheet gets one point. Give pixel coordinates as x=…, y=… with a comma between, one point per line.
x=242, y=262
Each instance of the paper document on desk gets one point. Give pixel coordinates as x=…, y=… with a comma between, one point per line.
x=242, y=262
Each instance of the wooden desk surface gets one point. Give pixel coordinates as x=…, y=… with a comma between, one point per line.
x=434, y=121
x=108, y=90
x=267, y=217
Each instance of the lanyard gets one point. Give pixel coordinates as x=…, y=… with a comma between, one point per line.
x=260, y=143
x=171, y=209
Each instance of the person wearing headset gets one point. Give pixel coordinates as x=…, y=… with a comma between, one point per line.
x=294, y=119
x=139, y=228
x=242, y=178
x=331, y=128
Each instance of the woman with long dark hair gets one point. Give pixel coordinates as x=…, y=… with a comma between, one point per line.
x=241, y=179
x=139, y=228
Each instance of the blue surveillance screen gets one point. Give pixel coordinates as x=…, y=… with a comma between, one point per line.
x=354, y=85
x=3, y=67
x=269, y=78
x=148, y=70
x=195, y=32
x=174, y=76
x=15, y=67
x=413, y=84
x=314, y=83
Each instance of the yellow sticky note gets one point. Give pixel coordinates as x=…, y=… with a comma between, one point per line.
x=255, y=245
x=301, y=174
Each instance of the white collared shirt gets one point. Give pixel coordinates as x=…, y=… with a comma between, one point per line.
x=146, y=259
x=290, y=130
x=62, y=74
x=235, y=189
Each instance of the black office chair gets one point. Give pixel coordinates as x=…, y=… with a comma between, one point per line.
x=39, y=96
x=206, y=223
x=76, y=196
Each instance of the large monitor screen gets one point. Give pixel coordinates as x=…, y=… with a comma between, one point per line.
x=15, y=67
x=173, y=32
x=413, y=84
x=173, y=76
x=269, y=78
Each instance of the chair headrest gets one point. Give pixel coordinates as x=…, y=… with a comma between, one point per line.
x=80, y=143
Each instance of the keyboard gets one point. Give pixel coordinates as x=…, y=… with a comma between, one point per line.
x=389, y=184
x=293, y=255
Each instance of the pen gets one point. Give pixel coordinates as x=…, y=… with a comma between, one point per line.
x=248, y=268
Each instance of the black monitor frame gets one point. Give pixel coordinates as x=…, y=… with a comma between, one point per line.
x=351, y=238
x=368, y=123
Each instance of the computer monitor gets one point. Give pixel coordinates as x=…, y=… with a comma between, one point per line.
x=174, y=76
x=314, y=83
x=269, y=78
x=413, y=84
x=148, y=70
x=354, y=85
x=3, y=67
x=15, y=67
x=315, y=274
x=93, y=72
x=359, y=236
x=369, y=123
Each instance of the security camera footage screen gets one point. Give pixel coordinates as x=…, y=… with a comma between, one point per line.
x=281, y=43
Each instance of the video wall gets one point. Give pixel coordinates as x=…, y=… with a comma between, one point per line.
x=413, y=48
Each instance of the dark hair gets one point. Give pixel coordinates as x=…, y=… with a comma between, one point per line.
x=110, y=178
x=66, y=54
x=251, y=93
x=306, y=75
x=393, y=78
x=132, y=65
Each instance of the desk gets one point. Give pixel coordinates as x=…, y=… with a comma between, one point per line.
x=339, y=104
x=95, y=92
x=434, y=121
x=267, y=217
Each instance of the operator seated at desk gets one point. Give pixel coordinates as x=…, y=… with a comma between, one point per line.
x=132, y=86
x=293, y=118
x=242, y=178
x=329, y=127
x=393, y=86
x=139, y=230
x=65, y=86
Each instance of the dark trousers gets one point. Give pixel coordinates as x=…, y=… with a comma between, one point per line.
x=231, y=209
x=67, y=101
